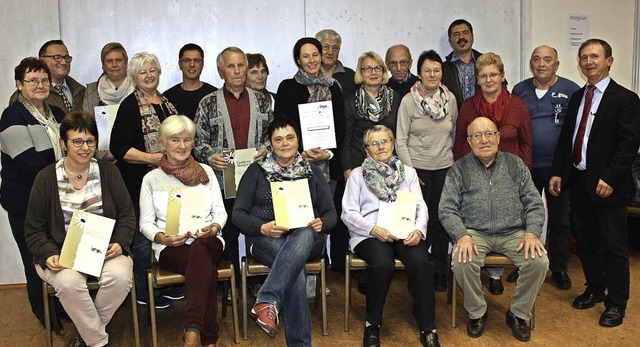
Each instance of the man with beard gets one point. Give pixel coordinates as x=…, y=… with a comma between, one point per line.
x=458, y=70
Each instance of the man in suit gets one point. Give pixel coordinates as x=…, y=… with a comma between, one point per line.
x=596, y=147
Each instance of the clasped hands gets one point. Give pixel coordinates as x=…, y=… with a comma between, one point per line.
x=179, y=240
x=53, y=262
x=272, y=230
x=466, y=248
x=384, y=235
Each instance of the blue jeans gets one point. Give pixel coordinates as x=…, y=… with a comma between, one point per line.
x=285, y=285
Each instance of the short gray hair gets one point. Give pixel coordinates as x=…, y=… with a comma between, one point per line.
x=376, y=129
x=220, y=59
x=174, y=125
x=138, y=60
x=329, y=34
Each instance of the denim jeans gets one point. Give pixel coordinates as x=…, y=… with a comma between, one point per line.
x=285, y=285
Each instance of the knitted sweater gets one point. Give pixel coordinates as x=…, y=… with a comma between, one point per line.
x=494, y=203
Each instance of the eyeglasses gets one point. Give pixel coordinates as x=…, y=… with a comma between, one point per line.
x=376, y=144
x=34, y=82
x=478, y=136
x=189, y=60
x=403, y=63
x=58, y=58
x=492, y=76
x=80, y=142
x=429, y=71
x=369, y=69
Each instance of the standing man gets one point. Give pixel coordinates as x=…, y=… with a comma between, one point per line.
x=233, y=117
x=597, y=145
x=398, y=60
x=547, y=97
x=66, y=93
x=331, y=66
x=458, y=70
x=186, y=96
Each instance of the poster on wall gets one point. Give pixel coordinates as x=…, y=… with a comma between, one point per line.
x=577, y=30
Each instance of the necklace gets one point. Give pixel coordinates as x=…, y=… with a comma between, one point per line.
x=75, y=175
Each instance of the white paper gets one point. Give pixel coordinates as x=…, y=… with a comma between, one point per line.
x=105, y=116
x=399, y=217
x=316, y=125
x=292, y=203
x=86, y=242
x=577, y=30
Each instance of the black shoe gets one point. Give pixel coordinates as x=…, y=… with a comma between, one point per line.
x=519, y=327
x=429, y=339
x=495, y=286
x=371, y=336
x=561, y=280
x=160, y=302
x=475, y=327
x=78, y=342
x=440, y=282
x=587, y=300
x=513, y=276
x=612, y=316
x=172, y=293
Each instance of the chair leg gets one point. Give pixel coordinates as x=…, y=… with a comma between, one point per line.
x=234, y=306
x=454, y=291
x=347, y=290
x=225, y=301
x=134, y=310
x=245, y=311
x=449, y=274
x=47, y=314
x=317, y=300
x=151, y=302
x=323, y=281
x=532, y=322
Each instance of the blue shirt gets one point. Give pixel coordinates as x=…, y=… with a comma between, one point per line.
x=466, y=75
x=547, y=116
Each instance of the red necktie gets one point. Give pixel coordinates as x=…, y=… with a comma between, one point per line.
x=577, y=145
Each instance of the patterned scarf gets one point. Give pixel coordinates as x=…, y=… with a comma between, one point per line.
x=320, y=84
x=190, y=172
x=383, y=179
x=49, y=123
x=300, y=168
x=436, y=105
x=372, y=109
x=151, y=121
x=497, y=111
x=108, y=93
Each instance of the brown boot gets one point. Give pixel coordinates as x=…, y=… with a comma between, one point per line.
x=191, y=338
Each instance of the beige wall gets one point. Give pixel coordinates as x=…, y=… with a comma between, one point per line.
x=612, y=22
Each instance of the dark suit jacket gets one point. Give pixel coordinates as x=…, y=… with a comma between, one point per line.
x=613, y=144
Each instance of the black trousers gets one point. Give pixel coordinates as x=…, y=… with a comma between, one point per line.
x=559, y=221
x=339, y=234
x=34, y=283
x=380, y=260
x=230, y=234
x=603, y=240
x=437, y=237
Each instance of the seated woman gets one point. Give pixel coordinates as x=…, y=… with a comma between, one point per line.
x=379, y=178
x=284, y=250
x=80, y=182
x=197, y=253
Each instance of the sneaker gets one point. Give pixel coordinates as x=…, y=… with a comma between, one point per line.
x=78, y=342
x=172, y=293
x=160, y=302
x=266, y=316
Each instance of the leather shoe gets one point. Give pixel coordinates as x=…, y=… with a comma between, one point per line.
x=519, y=328
x=371, y=336
x=513, y=276
x=475, y=327
x=495, y=286
x=440, y=282
x=612, y=316
x=587, y=300
x=429, y=339
x=561, y=280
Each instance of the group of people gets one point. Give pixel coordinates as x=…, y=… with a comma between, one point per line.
x=475, y=156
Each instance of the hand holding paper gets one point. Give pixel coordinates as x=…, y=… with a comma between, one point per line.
x=413, y=238
x=53, y=263
x=383, y=234
x=316, y=225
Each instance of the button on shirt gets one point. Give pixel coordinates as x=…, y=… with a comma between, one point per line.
x=595, y=102
x=239, y=114
x=466, y=76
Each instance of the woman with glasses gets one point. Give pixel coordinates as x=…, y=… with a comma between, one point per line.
x=29, y=141
x=425, y=134
x=80, y=182
x=380, y=180
x=511, y=116
x=372, y=103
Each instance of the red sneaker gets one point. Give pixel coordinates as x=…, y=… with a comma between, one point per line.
x=266, y=315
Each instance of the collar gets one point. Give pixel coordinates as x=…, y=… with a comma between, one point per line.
x=64, y=84
x=602, y=84
x=228, y=93
x=455, y=58
x=339, y=67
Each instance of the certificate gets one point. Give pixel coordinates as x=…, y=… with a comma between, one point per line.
x=86, y=242
x=186, y=210
x=292, y=203
x=316, y=125
x=105, y=116
x=399, y=217
x=238, y=160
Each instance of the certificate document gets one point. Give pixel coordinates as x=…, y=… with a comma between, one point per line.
x=399, y=217
x=238, y=160
x=105, y=116
x=186, y=210
x=86, y=242
x=316, y=125
x=292, y=203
